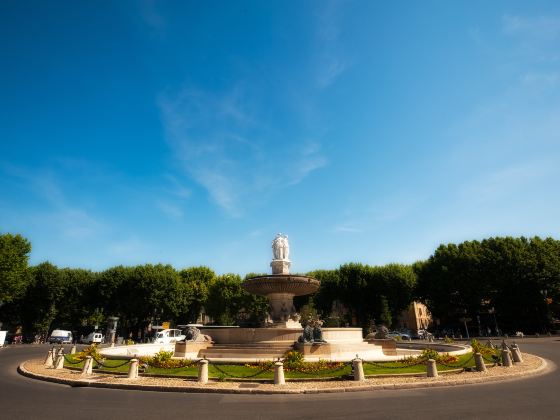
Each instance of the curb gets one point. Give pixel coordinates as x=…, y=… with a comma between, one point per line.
x=545, y=367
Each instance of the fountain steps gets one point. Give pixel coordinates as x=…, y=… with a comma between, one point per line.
x=245, y=351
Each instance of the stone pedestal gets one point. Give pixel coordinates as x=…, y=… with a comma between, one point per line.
x=133, y=369
x=203, y=371
x=282, y=310
x=280, y=266
x=479, y=362
x=358, y=370
x=506, y=358
x=190, y=349
x=432, y=369
x=388, y=345
x=516, y=354
x=59, y=364
x=49, y=359
x=279, y=373
x=88, y=366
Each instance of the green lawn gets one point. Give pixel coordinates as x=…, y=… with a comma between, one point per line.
x=241, y=371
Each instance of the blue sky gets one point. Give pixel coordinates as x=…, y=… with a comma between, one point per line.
x=191, y=132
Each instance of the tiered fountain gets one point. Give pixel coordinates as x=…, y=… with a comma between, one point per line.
x=283, y=330
x=281, y=287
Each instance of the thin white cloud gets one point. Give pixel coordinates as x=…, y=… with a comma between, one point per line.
x=330, y=70
x=543, y=27
x=306, y=165
x=172, y=211
x=331, y=59
x=68, y=219
x=130, y=250
x=347, y=229
x=221, y=145
x=541, y=79
x=151, y=16
x=176, y=188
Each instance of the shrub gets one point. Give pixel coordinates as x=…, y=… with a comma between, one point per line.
x=448, y=340
x=480, y=348
x=92, y=351
x=293, y=359
x=163, y=360
x=428, y=353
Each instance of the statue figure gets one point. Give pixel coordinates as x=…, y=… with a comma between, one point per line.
x=318, y=332
x=312, y=332
x=280, y=247
x=382, y=332
x=307, y=336
x=193, y=334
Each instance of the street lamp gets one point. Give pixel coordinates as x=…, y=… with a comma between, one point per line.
x=492, y=311
x=544, y=294
x=479, y=328
x=464, y=320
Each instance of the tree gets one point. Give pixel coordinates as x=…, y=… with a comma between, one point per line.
x=195, y=283
x=510, y=275
x=225, y=299
x=42, y=298
x=78, y=307
x=14, y=274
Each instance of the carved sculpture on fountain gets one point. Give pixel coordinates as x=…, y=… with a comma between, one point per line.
x=312, y=332
x=193, y=334
x=280, y=253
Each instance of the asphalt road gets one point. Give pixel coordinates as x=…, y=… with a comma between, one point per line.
x=531, y=398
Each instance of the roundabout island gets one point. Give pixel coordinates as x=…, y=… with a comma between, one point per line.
x=286, y=355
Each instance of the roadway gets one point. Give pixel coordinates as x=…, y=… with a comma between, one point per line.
x=531, y=398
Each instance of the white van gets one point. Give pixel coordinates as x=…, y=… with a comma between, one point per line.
x=61, y=337
x=94, y=337
x=169, y=336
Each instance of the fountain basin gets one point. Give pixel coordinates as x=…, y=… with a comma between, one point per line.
x=280, y=284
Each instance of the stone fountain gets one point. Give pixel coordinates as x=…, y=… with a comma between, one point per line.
x=282, y=333
x=281, y=287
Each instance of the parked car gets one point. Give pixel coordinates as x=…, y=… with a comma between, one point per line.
x=94, y=337
x=169, y=336
x=399, y=336
x=424, y=334
x=61, y=337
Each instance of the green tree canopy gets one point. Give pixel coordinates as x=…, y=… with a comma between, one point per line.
x=14, y=274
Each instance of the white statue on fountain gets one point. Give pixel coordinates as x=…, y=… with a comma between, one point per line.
x=281, y=247
x=280, y=254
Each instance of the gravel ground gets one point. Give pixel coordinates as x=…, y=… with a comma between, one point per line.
x=531, y=365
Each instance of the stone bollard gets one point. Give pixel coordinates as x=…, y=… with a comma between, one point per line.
x=112, y=344
x=203, y=371
x=516, y=354
x=49, y=359
x=506, y=358
x=59, y=363
x=133, y=369
x=88, y=366
x=479, y=362
x=279, y=373
x=358, y=368
x=432, y=369
x=73, y=349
